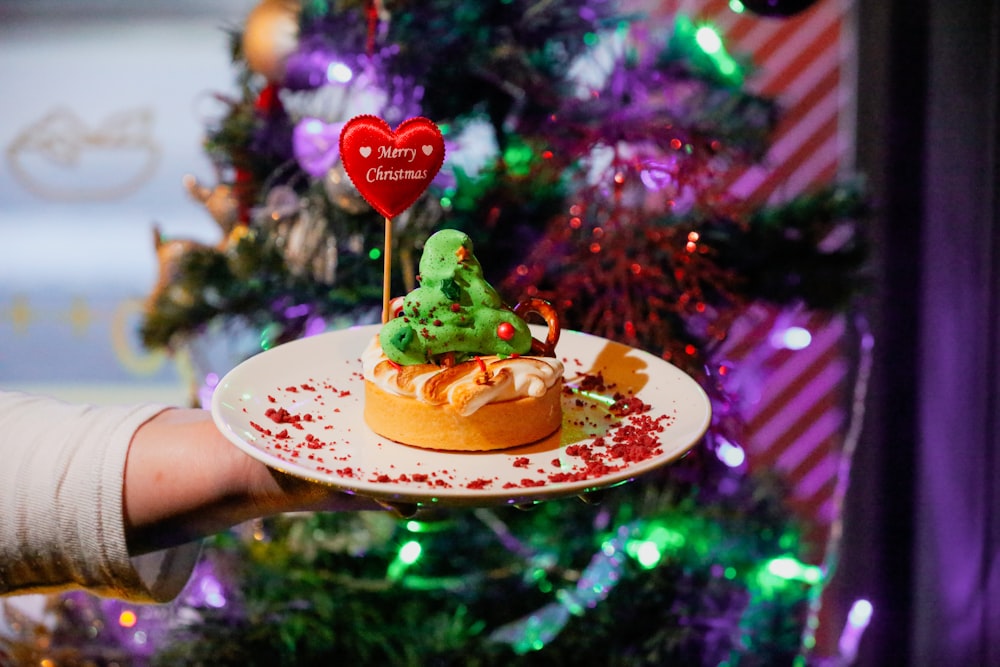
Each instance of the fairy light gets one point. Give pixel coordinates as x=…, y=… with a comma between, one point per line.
x=212, y=592
x=339, y=73
x=729, y=453
x=708, y=39
x=408, y=554
x=648, y=555
x=710, y=42
x=790, y=568
x=257, y=531
x=649, y=549
x=858, y=618
x=517, y=157
x=792, y=338
x=127, y=619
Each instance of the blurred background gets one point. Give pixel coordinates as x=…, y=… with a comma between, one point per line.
x=915, y=108
x=105, y=114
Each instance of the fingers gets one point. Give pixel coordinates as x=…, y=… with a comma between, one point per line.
x=595, y=497
x=303, y=495
x=297, y=494
x=402, y=510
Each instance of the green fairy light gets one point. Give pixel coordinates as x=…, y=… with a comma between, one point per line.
x=791, y=568
x=374, y=254
x=518, y=158
x=650, y=548
x=705, y=49
x=708, y=39
x=648, y=555
x=408, y=554
x=780, y=572
x=711, y=43
x=788, y=540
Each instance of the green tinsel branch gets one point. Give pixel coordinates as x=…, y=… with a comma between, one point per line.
x=324, y=587
x=810, y=249
x=251, y=281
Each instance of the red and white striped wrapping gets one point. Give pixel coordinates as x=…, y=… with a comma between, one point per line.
x=801, y=406
x=795, y=403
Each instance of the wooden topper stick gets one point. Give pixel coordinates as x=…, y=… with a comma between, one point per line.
x=387, y=272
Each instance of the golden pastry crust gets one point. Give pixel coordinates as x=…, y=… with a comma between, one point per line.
x=492, y=426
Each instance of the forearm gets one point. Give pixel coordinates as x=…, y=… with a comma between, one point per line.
x=83, y=489
x=61, y=517
x=180, y=482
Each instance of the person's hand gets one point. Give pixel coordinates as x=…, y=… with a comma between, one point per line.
x=184, y=481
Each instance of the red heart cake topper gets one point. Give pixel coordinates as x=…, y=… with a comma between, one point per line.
x=391, y=169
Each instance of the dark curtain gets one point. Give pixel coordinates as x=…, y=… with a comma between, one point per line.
x=923, y=518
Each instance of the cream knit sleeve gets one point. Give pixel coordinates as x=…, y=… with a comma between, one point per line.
x=61, y=516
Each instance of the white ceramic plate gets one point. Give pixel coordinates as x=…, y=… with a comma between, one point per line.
x=318, y=381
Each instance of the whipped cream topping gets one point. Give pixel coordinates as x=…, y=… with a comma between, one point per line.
x=466, y=386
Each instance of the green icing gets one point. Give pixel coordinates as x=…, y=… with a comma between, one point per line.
x=454, y=310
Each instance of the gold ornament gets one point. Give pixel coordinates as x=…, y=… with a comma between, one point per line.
x=341, y=192
x=270, y=35
x=219, y=201
x=169, y=253
x=307, y=244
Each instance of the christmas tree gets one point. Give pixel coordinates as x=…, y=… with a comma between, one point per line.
x=589, y=158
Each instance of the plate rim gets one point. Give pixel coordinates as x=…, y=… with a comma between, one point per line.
x=457, y=496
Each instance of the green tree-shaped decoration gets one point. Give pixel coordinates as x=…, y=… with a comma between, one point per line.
x=454, y=311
